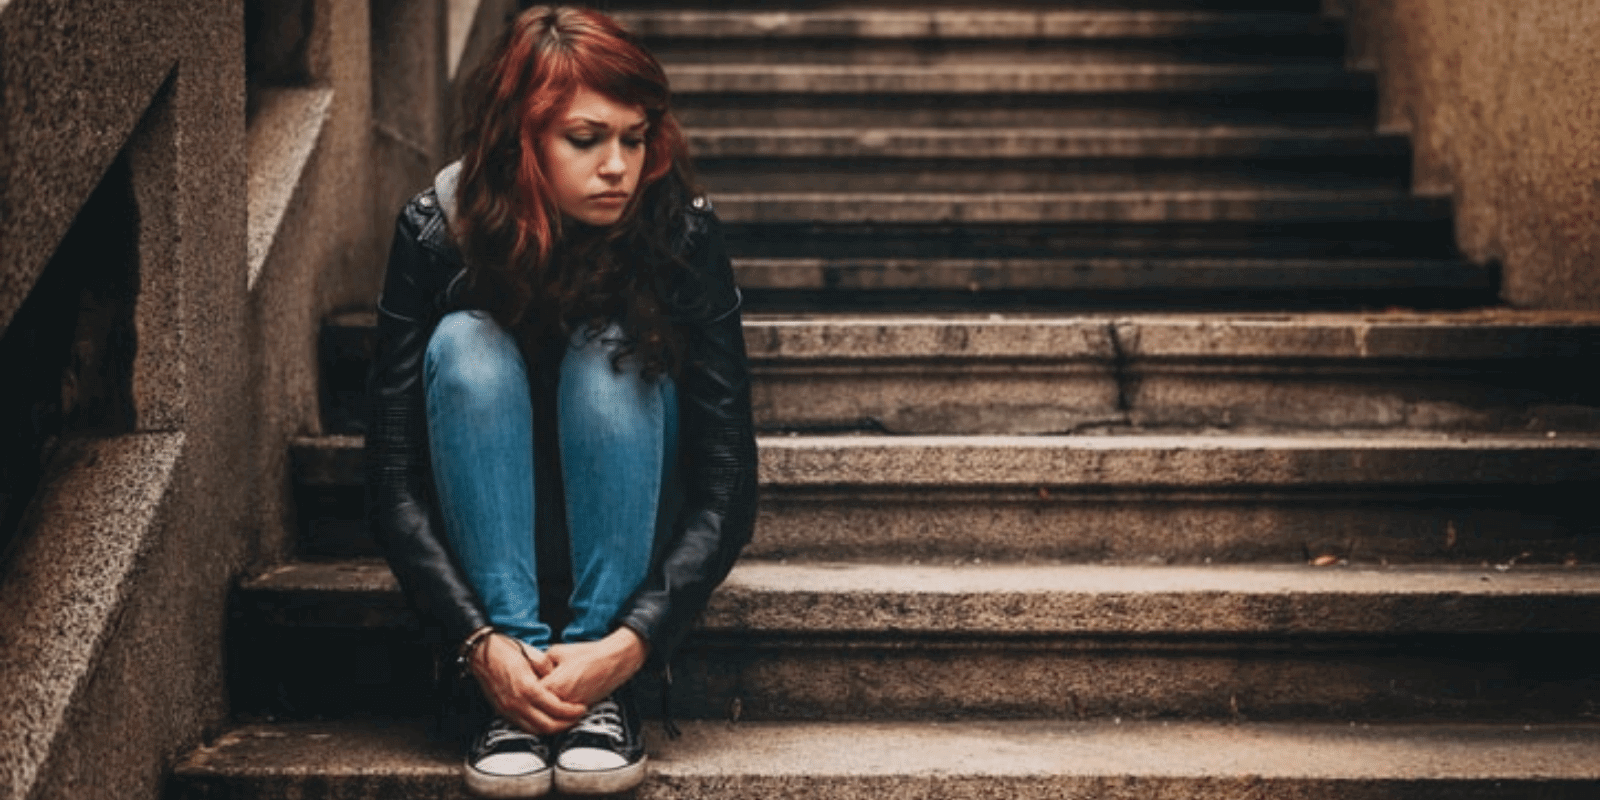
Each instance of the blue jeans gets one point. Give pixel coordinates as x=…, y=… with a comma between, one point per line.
x=618, y=438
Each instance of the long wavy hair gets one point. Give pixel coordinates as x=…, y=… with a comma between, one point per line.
x=541, y=275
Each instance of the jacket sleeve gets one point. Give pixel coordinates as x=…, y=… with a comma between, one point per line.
x=717, y=457
x=399, y=510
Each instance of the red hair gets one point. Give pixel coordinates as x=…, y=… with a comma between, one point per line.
x=508, y=218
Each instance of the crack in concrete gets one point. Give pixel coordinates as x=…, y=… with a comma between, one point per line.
x=1119, y=368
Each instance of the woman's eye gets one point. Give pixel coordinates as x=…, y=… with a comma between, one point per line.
x=633, y=142
x=582, y=142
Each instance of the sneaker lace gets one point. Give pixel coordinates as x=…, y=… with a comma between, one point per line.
x=605, y=719
x=500, y=730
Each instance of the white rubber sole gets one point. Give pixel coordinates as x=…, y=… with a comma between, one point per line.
x=508, y=787
x=600, y=781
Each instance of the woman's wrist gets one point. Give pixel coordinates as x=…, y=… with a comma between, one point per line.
x=630, y=648
x=472, y=645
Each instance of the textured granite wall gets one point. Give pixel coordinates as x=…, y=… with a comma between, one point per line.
x=1502, y=100
x=151, y=545
x=321, y=249
x=255, y=219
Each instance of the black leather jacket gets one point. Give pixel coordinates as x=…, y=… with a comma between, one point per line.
x=717, y=451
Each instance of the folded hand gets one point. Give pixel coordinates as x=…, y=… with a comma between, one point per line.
x=513, y=676
x=586, y=672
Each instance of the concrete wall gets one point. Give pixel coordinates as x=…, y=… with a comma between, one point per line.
x=1502, y=101
x=110, y=608
x=260, y=209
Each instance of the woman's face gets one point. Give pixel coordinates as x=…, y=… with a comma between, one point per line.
x=593, y=154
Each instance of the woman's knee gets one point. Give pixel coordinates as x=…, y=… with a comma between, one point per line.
x=470, y=358
x=596, y=382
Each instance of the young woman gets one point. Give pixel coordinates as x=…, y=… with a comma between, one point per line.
x=563, y=264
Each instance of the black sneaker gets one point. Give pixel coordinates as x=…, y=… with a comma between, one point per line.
x=604, y=752
x=507, y=762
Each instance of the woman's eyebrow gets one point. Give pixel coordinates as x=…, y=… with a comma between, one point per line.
x=595, y=123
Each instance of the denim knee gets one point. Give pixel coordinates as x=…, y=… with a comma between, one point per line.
x=591, y=383
x=473, y=363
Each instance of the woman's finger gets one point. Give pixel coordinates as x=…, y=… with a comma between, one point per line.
x=540, y=697
x=532, y=706
x=537, y=659
x=558, y=653
x=509, y=672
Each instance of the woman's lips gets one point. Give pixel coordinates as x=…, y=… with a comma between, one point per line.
x=609, y=197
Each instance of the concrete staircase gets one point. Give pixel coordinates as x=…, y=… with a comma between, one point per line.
x=1095, y=460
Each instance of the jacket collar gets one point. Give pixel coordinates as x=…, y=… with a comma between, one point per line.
x=444, y=185
x=439, y=208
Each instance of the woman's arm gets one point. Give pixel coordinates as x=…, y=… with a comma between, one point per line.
x=398, y=509
x=717, y=454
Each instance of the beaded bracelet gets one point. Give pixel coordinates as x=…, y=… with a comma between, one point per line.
x=469, y=644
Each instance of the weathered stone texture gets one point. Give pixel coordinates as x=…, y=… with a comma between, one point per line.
x=247, y=234
x=1503, y=106
x=960, y=760
x=75, y=82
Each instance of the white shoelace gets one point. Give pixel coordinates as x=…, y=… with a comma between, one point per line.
x=501, y=731
x=605, y=718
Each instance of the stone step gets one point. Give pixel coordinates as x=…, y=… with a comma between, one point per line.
x=887, y=761
x=870, y=641
x=1132, y=110
x=1175, y=206
x=1175, y=462
x=1402, y=498
x=997, y=601
x=1137, y=462
x=1289, y=52
x=1331, y=8
x=1177, y=499
x=1154, y=142
x=991, y=78
x=851, y=277
x=1106, y=181
x=1318, y=239
x=965, y=23
x=1034, y=374
x=1043, y=373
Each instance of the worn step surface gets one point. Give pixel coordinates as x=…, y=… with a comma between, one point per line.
x=1046, y=373
x=866, y=24
x=1169, y=499
x=1021, y=760
x=1265, y=108
x=984, y=78
x=1167, y=142
x=854, y=641
x=922, y=284
x=1005, y=54
x=1042, y=373
x=1006, y=600
x=1156, y=461
x=1130, y=462
x=1093, y=178
x=1169, y=206
x=1352, y=108
x=1308, y=238
x=1025, y=373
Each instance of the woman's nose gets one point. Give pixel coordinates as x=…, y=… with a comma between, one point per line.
x=613, y=165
